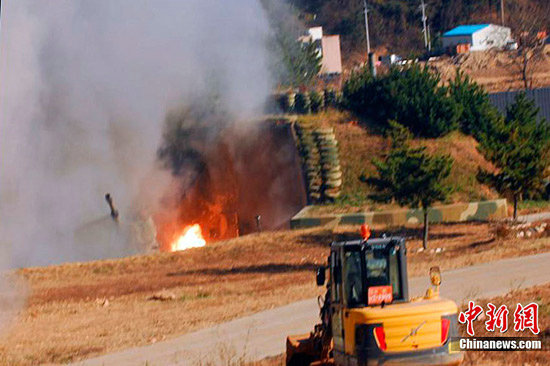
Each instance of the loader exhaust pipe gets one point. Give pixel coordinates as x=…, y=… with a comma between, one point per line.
x=114, y=211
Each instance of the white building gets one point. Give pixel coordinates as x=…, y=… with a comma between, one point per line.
x=328, y=48
x=316, y=33
x=479, y=37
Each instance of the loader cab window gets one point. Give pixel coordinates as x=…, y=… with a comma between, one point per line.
x=377, y=269
x=353, y=279
x=371, y=266
x=336, y=277
x=383, y=269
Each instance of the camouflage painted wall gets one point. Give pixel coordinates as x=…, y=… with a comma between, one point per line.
x=473, y=211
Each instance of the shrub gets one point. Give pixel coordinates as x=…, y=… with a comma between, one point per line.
x=282, y=102
x=410, y=176
x=317, y=101
x=477, y=112
x=519, y=147
x=412, y=96
x=302, y=103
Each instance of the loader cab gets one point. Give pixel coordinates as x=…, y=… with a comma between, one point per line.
x=373, y=320
x=368, y=315
x=369, y=272
x=365, y=273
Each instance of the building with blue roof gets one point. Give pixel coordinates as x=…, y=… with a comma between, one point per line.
x=477, y=37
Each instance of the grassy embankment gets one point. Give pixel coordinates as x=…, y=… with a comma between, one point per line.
x=359, y=144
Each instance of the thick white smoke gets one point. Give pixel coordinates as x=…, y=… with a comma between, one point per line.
x=84, y=90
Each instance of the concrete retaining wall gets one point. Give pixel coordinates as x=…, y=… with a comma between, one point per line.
x=473, y=211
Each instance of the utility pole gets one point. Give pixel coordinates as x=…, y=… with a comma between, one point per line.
x=370, y=56
x=366, y=25
x=424, y=19
x=502, y=11
x=429, y=39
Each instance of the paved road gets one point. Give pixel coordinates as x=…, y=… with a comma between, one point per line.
x=263, y=334
x=534, y=217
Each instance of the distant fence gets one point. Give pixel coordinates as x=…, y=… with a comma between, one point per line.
x=473, y=211
x=540, y=96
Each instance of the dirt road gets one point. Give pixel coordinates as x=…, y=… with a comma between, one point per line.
x=263, y=334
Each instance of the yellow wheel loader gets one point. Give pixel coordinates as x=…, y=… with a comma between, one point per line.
x=367, y=317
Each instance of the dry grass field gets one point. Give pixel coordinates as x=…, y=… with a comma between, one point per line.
x=80, y=310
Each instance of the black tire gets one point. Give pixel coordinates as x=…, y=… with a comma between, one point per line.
x=300, y=360
x=329, y=150
x=333, y=183
x=332, y=174
x=322, y=131
x=314, y=196
x=332, y=193
x=333, y=161
x=327, y=137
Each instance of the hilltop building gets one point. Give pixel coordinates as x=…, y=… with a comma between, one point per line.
x=328, y=48
x=477, y=37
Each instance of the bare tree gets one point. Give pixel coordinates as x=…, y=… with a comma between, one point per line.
x=529, y=22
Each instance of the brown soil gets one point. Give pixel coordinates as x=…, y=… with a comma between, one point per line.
x=84, y=309
x=496, y=71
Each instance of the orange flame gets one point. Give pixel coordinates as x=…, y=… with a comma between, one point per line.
x=191, y=238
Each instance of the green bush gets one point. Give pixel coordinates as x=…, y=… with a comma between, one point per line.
x=477, y=112
x=317, y=101
x=282, y=102
x=519, y=147
x=412, y=96
x=302, y=104
x=330, y=98
x=410, y=176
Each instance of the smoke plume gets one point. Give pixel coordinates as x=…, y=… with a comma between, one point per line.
x=85, y=87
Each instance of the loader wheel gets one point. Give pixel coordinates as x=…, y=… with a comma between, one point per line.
x=300, y=360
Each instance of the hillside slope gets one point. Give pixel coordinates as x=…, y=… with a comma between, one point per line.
x=359, y=145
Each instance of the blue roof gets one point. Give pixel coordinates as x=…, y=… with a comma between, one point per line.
x=465, y=30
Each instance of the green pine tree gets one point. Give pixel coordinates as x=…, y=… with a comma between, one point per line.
x=410, y=176
x=519, y=147
x=477, y=111
x=295, y=63
x=412, y=95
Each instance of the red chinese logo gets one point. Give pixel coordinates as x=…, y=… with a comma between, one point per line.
x=497, y=318
x=525, y=317
x=469, y=316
